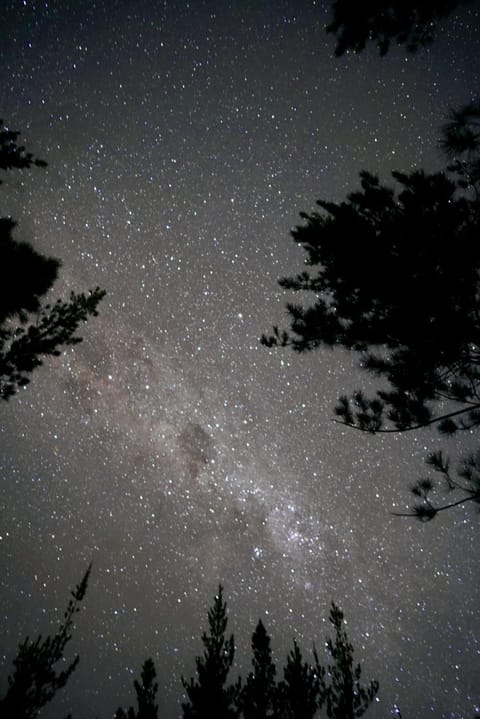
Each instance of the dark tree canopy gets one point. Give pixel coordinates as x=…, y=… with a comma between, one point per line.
x=298, y=693
x=396, y=279
x=25, y=275
x=394, y=274
x=257, y=699
x=29, y=328
x=408, y=22
x=209, y=696
x=306, y=691
x=13, y=155
x=146, y=692
x=40, y=668
x=460, y=141
x=343, y=694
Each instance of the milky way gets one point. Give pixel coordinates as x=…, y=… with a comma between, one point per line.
x=170, y=447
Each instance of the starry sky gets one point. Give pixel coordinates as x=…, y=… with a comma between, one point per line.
x=170, y=447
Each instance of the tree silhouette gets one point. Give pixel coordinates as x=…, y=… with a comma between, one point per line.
x=29, y=329
x=397, y=282
x=298, y=693
x=413, y=22
x=304, y=690
x=208, y=695
x=36, y=679
x=13, y=155
x=257, y=698
x=146, y=692
x=461, y=143
x=341, y=690
x=409, y=22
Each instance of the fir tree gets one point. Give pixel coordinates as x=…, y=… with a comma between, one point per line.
x=36, y=678
x=146, y=692
x=298, y=693
x=257, y=699
x=209, y=696
x=341, y=690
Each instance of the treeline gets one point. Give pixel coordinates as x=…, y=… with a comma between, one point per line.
x=302, y=690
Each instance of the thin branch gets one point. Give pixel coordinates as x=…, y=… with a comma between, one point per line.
x=454, y=483
x=413, y=426
x=473, y=498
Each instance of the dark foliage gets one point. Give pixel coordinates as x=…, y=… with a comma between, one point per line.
x=29, y=329
x=341, y=689
x=303, y=692
x=257, y=698
x=13, y=155
x=36, y=677
x=23, y=347
x=408, y=22
x=25, y=275
x=461, y=143
x=396, y=280
x=209, y=697
x=307, y=690
x=146, y=692
x=298, y=693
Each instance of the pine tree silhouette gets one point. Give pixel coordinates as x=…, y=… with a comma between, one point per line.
x=257, y=699
x=36, y=679
x=209, y=697
x=29, y=329
x=395, y=277
x=298, y=692
x=341, y=690
x=146, y=692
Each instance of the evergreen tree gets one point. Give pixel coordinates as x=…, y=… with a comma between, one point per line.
x=29, y=329
x=397, y=281
x=13, y=155
x=341, y=690
x=36, y=679
x=409, y=22
x=209, y=697
x=257, y=699
x=460, y=141
x=298, y=694
x=146, y=692
x=413, y=22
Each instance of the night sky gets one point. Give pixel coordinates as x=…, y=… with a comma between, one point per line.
x=183, y=139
